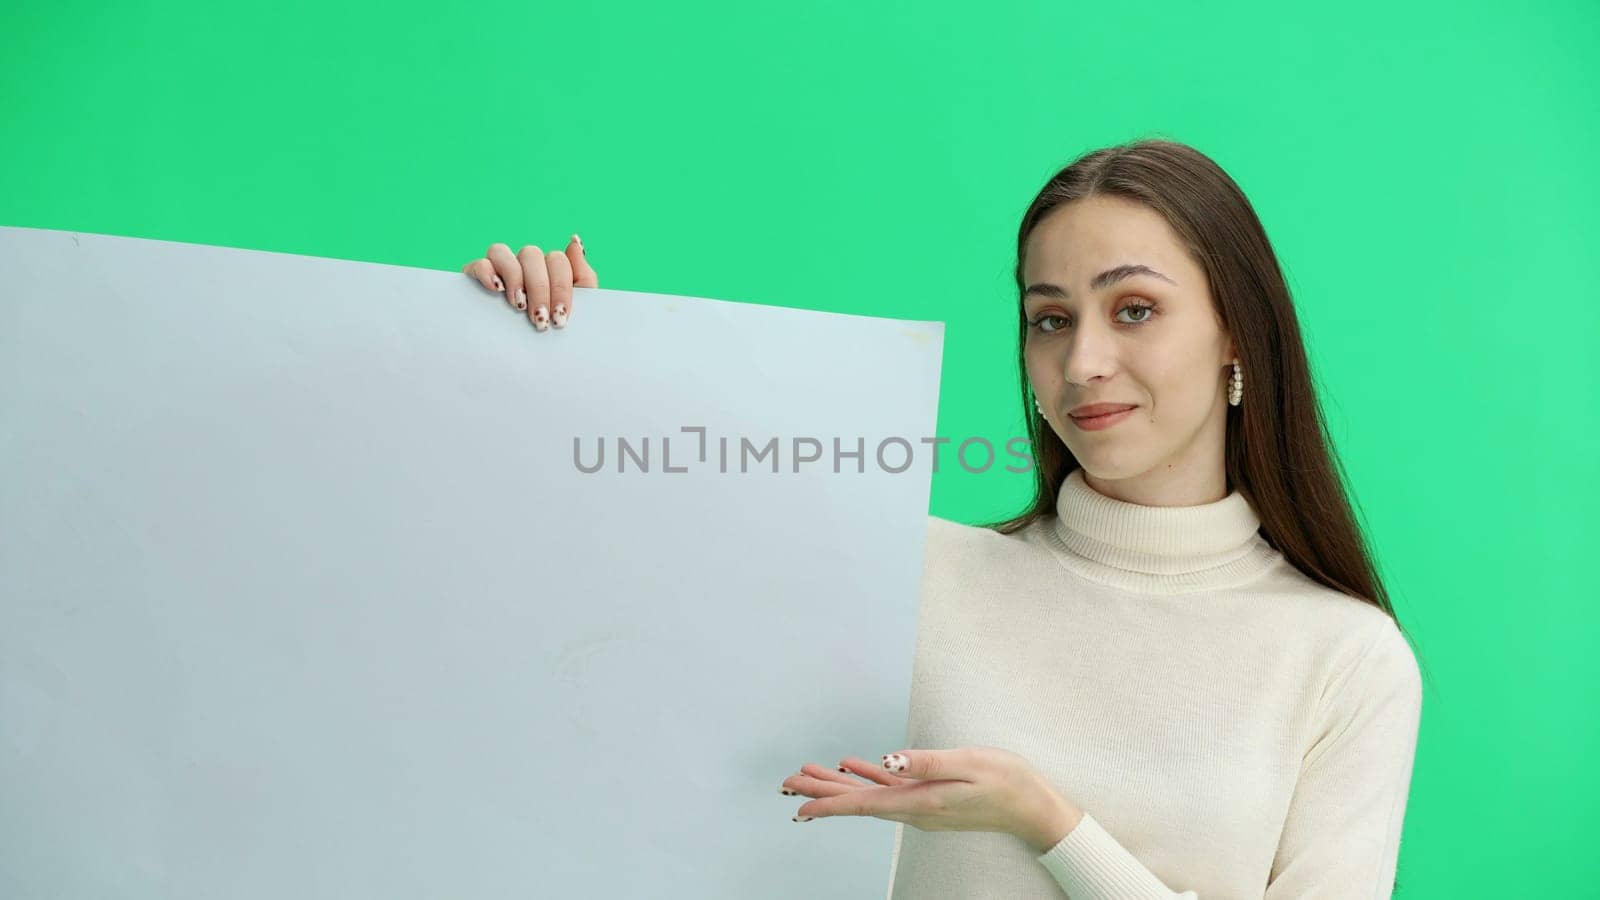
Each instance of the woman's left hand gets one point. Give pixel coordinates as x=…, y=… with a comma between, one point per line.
x=965, y=789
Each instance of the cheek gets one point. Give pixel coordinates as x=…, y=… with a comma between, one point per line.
x=1177, y=385
x=1040, y=369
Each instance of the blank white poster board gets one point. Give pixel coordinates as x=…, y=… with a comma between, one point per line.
x=303, y=592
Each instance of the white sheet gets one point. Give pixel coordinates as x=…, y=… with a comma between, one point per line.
x=301, y=593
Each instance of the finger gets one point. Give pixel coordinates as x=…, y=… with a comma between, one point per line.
x=510, y=272
x=868, y=770
x=892, y=803
x=582, y=274
x=483, y=272
x=827, y=774
x=560, y=271
x=816, y=787
x=536, y=281
x=959, y=764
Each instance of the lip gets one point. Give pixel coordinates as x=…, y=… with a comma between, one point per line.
x=1095, y=423
x=1098, y=409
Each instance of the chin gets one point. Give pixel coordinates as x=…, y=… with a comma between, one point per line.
x=1110, y=466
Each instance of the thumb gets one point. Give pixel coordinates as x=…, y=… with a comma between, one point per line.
x=913, y=763
x=583, y=275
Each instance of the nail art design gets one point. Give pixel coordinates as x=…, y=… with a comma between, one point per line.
x=895, y=762
x=804, y=818
x=561, y=315
x=541, y=318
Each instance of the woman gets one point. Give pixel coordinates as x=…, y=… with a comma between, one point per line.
x=1177, y=673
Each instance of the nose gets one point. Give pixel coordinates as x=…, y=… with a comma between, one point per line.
x=1091, y=355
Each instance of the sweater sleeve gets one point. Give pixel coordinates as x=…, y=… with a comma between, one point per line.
x=1341, y=836
x=1089, y=864
x=1342, y=833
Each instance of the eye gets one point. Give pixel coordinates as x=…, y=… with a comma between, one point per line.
x=1040, y=319
x=1145, y=309
x=1143, y=312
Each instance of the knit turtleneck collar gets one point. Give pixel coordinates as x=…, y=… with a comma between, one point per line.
x=1157, y=549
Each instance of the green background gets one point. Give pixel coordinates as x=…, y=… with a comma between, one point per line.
x=1425, y=171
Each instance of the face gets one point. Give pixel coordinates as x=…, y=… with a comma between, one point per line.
x=1148, y=338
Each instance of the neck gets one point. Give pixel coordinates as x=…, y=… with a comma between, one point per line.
x=1160, y=549
x=1184, y=483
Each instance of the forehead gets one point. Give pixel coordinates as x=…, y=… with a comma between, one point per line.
x=1081, y=238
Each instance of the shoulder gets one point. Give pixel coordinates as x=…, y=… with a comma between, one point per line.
x=1336, y=638
x=1348, y=638
x=951, y=532
x=968, y=556
x=950, y=542
x=1289, y=593
x=961, y=566
x=1385, y=665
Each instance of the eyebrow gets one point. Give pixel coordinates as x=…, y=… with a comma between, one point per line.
x=1099, y=282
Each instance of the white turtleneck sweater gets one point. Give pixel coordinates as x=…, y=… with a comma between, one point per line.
x=1229, y=727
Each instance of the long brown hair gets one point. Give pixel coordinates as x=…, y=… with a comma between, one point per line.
x=1277, y=450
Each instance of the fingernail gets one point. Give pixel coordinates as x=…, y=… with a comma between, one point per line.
x=577, y=240
x=786, y=792
x=844, y=770
x=541, y=319
x=522, y=298
x=561, y=316
x=895, y=762
x=804, y=818
x=499, y=285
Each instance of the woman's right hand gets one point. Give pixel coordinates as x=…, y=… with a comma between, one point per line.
x=539, y=284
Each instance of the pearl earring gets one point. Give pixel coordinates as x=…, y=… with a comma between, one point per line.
x=1037, y=406
x=1236, y=385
